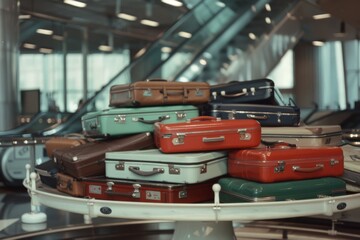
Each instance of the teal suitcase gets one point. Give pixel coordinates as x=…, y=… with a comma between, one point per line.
x=128, y=120
x=235, y=190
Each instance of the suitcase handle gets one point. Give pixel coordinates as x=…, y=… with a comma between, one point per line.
x=214, y=139
x=156, y=80
x=257, y=117
x=223, y=94
x=308, y=170
x=139, y=172
x=160, y=119
x=134, y=194
x=204, y=118
x=181, y=92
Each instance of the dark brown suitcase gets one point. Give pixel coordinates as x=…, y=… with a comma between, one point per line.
x=147, y=191
x=89, y=159
x=159, y=92
x=69, y=185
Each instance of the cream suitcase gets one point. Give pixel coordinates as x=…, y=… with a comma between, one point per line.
x=153, y=165
x=304, y=136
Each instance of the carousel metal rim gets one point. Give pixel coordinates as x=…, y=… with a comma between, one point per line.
x=205, y=211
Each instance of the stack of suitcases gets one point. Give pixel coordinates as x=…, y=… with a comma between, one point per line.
x=169, y=142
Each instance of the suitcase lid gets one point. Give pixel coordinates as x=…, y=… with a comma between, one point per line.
x=302, y=131
x=289, y=190
x=248, y=108
x=155, y=155
x=202, y=124
x=140, y=110
x=272, y=156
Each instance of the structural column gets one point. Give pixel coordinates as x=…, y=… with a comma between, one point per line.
x=9, y=32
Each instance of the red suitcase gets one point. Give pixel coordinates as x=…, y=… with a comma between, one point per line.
x=286, y=163
x=207, y=133
x=143, y=191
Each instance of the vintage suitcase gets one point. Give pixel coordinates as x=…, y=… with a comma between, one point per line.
x=259, y=91
x=68, y=141
x=47, y=172
x=157, y=92
x=351, y=164
x=122, y=121
x=153, y=165
x=70, y=185
x=145, y=191
x=207, y=133
x=89, y=159
x=286, y=163
x=235, y=190
x=302, y=136
x=267, y=115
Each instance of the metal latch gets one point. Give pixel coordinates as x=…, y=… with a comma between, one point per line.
x=198, y=92
x=180, y=115
x=120, y=119
x=244, y=135
x=173, y=170
x=279, y=117
x=147, y=93
x=231, y=115
x=333, y=162
x=203, y=169
x=179, y=139
x=183, y=194
x=280, y=167
x=120, y=166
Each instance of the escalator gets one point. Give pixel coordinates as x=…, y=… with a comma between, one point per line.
x=208, y=28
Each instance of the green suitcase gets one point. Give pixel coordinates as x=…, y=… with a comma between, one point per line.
x=128, y=120
x=235, y=190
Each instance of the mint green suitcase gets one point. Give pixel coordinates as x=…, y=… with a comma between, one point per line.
x=128, y=120
x=239, y=190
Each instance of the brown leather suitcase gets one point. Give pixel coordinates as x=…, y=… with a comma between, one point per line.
x=89, y=159
x=69, y=185
x=64, y=142
x=159, y=92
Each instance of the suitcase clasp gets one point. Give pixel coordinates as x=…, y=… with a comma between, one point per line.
x=147, y=93
x=333, y=162
x=136, y=193
x=179, y=139
x=280, y=167
x=120, y=119
x=120, y=166
x=174, y=170
x=243, y=134
x=183, y=194
x=180, y=115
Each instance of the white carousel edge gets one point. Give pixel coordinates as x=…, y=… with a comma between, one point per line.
x=196, y=212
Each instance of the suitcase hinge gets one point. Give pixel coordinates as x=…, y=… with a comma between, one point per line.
x=243, y=134
x=180, y=115
x=173, y=170
x=334, y=162
x=203, y=169
x=179, y=139
x=280, y=167
x=120, y=166
x=120, y=119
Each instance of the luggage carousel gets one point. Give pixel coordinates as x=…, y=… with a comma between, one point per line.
x=270, y=220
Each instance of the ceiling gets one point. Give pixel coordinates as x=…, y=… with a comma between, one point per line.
x=98, y=22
